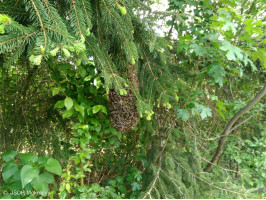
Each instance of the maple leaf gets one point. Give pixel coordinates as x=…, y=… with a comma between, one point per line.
x=202, y=110
x=228, y=24
x=199, y=50
x=232, y=51
x=135, y=186
x=218, y=73
x=183, y=114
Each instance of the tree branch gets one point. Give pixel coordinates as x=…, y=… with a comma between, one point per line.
x=230, y=124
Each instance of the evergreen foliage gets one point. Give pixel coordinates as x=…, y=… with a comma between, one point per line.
x=95, y=31
x=61, y=61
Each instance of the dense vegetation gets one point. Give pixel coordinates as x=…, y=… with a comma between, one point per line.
x=94, y=103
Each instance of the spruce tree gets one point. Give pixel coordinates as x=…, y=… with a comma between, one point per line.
x=107, y=32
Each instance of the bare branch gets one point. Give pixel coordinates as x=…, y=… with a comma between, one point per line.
x=230, y=124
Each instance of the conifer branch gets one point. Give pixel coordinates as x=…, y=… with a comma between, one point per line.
x=74, y=6
x=85, y=10
x=211, y=184
x=50, y=12
x=59, y=33
x=121, y=29
x=18, y=38
x=41, y=23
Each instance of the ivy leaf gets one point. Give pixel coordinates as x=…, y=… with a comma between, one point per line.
x=217, y=72
x=53, y=166
x=68, y=103
x=232, y=51
x=183, y=114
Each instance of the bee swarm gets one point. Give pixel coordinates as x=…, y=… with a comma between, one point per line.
x=123, y=110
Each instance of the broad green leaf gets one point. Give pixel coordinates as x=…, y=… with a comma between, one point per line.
x=59, y=104
x=218, y=73
x=53, y=166
x=42, y=160
x=68, y=103
x=111, y=140
x=97, y=108
x=40, y=183
x=79, y=108
x=228, y=25
x=261, y=55
x=246, y=60
x=28, y=173
x=253, y=28
x=205, y=112
x=68, y=113
x=87, y=78
x=29, y=158
x=55, y=90
x=40, y=186
x=8, y=156
x=135, y=186
x=233, y=52
x=202, y=110
x=183, y=114
x=47, y=178
x=9, y=170
x=68, y=187
x=96, y=187
x=82, y=71
x=199, y=50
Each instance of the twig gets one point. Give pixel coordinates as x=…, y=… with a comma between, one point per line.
x=228, y=127
x=235, y=127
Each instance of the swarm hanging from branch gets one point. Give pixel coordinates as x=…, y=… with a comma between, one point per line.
x=123, y=109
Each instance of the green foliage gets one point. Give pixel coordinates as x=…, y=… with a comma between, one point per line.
x=28, y=177
x=58, y=61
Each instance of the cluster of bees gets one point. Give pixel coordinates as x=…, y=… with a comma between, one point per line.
x=123, y=111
